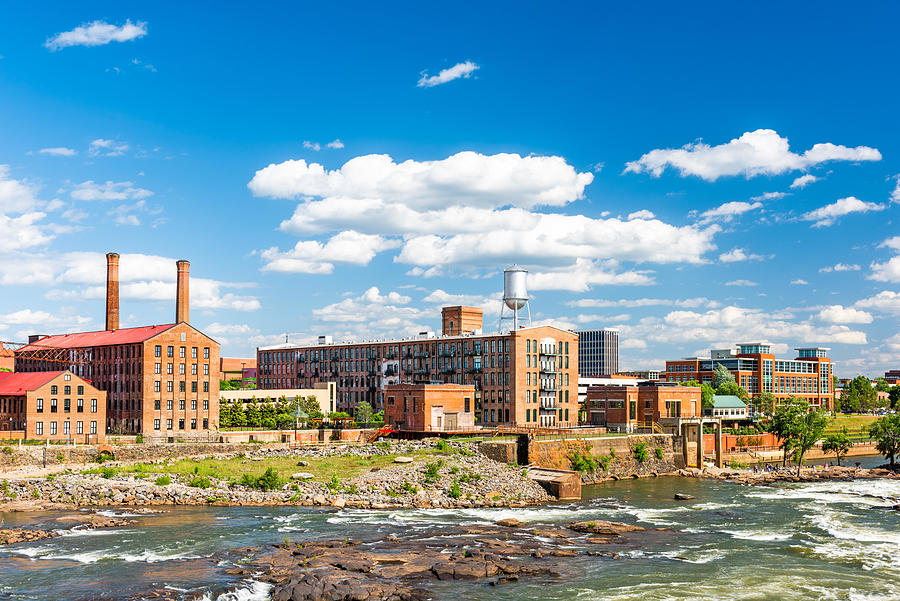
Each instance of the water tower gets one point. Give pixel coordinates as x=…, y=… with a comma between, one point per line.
x=515, y=296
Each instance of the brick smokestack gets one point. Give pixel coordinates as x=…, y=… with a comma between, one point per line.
x=112, y=291
x=182, y=293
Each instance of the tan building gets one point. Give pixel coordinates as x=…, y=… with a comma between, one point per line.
x=430, y=407
x=52, y=405
x=234, y=368
x=325, y=394
x=161, y=381
x=526, y=377
x=623, y=407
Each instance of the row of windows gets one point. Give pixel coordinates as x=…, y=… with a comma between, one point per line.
x=169, y=423
x=67, y=405
x=79, y=428
x=54, y=389
x=181, y=404
x=182, y=386
x=170, y=368
x=170, y=351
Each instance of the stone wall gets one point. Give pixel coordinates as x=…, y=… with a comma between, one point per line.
x=618, y=453
x=33, y=455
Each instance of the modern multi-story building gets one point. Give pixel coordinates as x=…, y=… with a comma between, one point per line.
x=757, y=370
x=161, y=380
x=598, y=352
x=52, y=405
x=527, y=376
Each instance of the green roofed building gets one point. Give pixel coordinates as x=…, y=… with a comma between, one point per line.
x=729, y=407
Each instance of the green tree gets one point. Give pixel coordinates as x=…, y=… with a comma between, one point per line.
x=894, y=395
x=310, y=405
x=786, y=423
x=835, y=382
x=364, y=413
x=224, y=414
x=858, y=395
x=707, y=392
x=809, y=430
x=253, y=414
x=238, y=417
x=881, y=385
x=764, y=402
x=734, y=389
x=886, y=432
x=838, y=443
x=721, y=375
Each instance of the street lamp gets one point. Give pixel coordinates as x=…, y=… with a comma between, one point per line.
x=10, y=429
x=68, y=432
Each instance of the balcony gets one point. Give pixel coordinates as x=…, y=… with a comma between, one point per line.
x=469, y=352
x=549, y=386
x=547, y=351
x=548, y=368
x=474, y=370
x=549, y=403
x=448, y=370
x=447, y=353
x=421, y=355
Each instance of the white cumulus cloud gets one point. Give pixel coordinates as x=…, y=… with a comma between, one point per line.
x=728, y=211
x=107, y=148
x=90, y=190
x=738, y=254
x=310, y=256
x=445, y=75
x=58, y=151
x=803, y=181
x=841, y=314
x=829, y=214
x=760, y=152
x=97, y=33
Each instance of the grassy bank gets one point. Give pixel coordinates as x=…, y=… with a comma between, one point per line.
x=322, y=469
x=857, y=425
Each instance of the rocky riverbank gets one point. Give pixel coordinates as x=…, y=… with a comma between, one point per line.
x=10, y=536
x=404, y=568
x=460, y=478
x=788, y=474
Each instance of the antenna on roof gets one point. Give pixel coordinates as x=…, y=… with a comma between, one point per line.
x=285, y=338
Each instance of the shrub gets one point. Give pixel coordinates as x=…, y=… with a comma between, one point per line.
x=612, y=452
x=335, y=484
x=408, y=488
x=7, y=450
x=60, y=457
x=107, y=472
x=604, y=462
x=443, y=446
x=200, y=482
x=455, y=492
x=432, y=469
x=163, y=481
x=139, y=439
x=269, y=480
x=640, y=452
x=659, y=453
x=103, y=455
x=582, y=461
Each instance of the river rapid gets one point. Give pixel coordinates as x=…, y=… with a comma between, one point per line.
x=824, y=540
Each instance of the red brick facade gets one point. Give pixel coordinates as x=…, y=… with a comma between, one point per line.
x=430, y=407
x=55, y=405
x=527, y=377
x=623, y=407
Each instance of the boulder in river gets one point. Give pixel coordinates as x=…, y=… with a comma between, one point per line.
x=680, y=496
x=603, y=527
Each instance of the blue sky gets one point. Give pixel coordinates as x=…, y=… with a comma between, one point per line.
x=695, y=177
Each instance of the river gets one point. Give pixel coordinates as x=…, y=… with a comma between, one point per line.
x=822, y=540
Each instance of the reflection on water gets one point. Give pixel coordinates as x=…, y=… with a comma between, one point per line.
x=825, y=540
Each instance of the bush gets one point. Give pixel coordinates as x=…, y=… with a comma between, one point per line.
x=102, y=456
x=432, y=469
x=7, y=450
x=443, y=446
x=139, y=439
x=612, y=452
x=659, y=453
x=640, y=452
x=604, y=462
x=268, y=481
x=107, y=472
x=582, y=461
x=200, y=482
x=163, y=481
x=408, y=488
x=455, y=492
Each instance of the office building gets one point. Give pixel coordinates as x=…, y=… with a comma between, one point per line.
x=756, y=370
x=598, y=352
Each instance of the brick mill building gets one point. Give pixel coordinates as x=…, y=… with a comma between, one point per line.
x=161, y=381
x=526, y=377
x=623, y=407
x=52, y=405
x=430, y=407
x=756, y=370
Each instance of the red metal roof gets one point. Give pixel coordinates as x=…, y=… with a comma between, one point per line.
x=17, y=384
x=101, y=338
